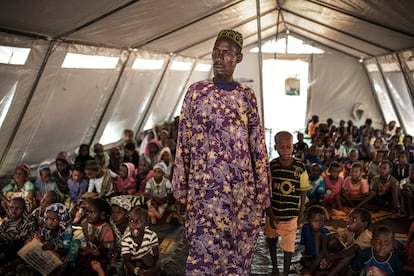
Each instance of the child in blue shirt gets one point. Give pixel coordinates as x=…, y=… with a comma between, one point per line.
x=316, y=194
x=77, y=184
x=312, y=237
x=379, y=259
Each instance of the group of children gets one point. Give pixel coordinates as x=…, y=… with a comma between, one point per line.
x=365, y=168
x=95, y=219
x=298, y=189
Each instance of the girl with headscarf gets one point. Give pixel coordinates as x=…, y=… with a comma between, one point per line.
x=152, y=151
x=120, y=206
x=62, y=173
x=19, y=187
x=56, y=233
x=126, y=177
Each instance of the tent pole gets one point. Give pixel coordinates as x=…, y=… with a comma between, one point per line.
x=374, y=92
x=170, y=118
x=406, y=74
x=260, y=60
x=109, y=99
x=148, y=107
x=27, y=103
x=394, y=106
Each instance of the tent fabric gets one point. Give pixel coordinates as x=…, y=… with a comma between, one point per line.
x=55, y=109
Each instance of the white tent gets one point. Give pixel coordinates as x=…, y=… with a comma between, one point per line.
x=48, y=103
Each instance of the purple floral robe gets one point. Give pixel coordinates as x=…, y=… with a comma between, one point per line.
x=222, y=175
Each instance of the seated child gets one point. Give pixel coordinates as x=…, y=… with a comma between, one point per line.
x=407, y=185
x=44, y=182
x=77, y=184
x=167, y=159
x=158, y=193
x=126, y=178
x=378, y=259
x=140, y=248
x=312, y=157
x=343, y=248
x=38, y=214
x=19, y=187
x=373, y=167
x=56, y=233
x=355, y=190
x=311, y=237
x=16, y=229
x=401, y=168
x=317, y=193
x=328, y=152
x=385, y=188
x=101, y=156
x=333, y=188
x=353, y=157
x=300, y=148
x=99, y=235
x=120, y=206
x=100, y=180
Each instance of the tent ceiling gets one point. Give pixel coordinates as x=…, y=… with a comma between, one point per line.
x=358, y=28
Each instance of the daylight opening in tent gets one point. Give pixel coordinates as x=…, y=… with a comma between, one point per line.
x=293, y=44
x=82, y=61
x=202, y=67
x=147, y=64
x=181, y=66
x=13, y=55
x=5, y=102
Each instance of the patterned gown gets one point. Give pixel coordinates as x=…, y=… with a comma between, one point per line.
x=222, y=175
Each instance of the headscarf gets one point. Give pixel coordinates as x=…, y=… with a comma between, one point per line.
x=153, y=141
x=161, y=166
x=122, y=183
x=65, y=222
x=122, y=201
x=25, y=168
x=165, y=149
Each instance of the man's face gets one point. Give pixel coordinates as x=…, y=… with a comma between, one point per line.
x=225, y=58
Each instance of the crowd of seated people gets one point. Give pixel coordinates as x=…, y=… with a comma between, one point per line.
x=365, y=167
x=355, y=170
x=93, y=211
x=113, y=195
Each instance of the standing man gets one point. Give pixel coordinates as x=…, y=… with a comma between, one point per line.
x=221, y=174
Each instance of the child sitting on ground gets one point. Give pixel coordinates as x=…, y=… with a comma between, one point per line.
x=353, y=157
x=317, y=193
x=56, y=233
x=373, y=166
x=38, y=214
x=20, y=186
x=99, y=235
x=312, y=157
x=378, y=259
x=44, y=182
x=312, y=238
x=342, y=249
x=300, y=148
x=77, y=184
x=385, y=188
x=16, y=229
x=101, y=156
x=140, y=248
x=126, y=178
x=355, y=190
x=333, y=188
x=401, y=168
x=158, y=193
